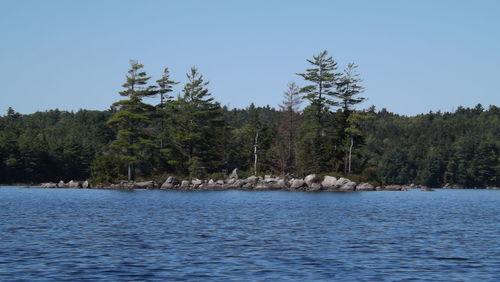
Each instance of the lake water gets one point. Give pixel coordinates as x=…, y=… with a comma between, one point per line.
x=77, y=234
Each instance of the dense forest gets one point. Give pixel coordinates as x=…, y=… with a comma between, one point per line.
x=316, y=129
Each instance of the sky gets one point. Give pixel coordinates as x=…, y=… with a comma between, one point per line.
x=414, y=56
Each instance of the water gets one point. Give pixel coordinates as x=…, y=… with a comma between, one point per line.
x=76, y=234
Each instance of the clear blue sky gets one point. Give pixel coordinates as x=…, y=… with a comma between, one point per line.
x=414, y=56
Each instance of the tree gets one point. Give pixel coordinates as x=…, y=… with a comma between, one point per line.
x=347, y=90
x=132, y=117
x=288, y=127
x=321, y=91
x=195, y=127
x=165, y=86
x=316, y=146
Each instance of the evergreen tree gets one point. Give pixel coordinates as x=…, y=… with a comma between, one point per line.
x=316, y=146
x=132, y=117
x=195, y=128
x=288, y=127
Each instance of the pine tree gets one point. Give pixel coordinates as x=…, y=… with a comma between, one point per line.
x=195, y=124
x=165, y=86
x=348, y=88
x=288, y=127
x=316, y=142
x=132, y=117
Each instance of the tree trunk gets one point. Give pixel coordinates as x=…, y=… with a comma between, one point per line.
x=129, y=171
x=350, y=153
x=255, y=145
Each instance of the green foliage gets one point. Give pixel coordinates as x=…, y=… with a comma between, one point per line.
x=108, y=168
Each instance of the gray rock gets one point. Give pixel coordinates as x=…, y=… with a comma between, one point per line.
x=48, y=185
x=314, y=187
x=341, y=182
x=85, y=184
x=73, y=184
x=329, y=182
x=144, y=185
x=296, y=183
x=282, y=183
x=348, y=186
x=211, y=182
x=252, y=179
x=310, y=179
x=234, y=174
x=61, y=184
x=220, y=182
x=184, y=184
x=170, y=183
x=231, y=181
x=365, y=187
x=196, y=182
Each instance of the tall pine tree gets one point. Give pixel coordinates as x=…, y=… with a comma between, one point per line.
x=132, y=116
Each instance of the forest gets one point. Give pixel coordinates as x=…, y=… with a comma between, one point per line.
x=318, y=128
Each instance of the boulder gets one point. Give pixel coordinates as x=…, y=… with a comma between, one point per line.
x=196, y=182
x=61, y=184
x=170, y=183
x=48, y=185
x=392, y=188
x=234, y=174
x=296, y=183
x=252, y=179
x=85, y=184
x=315, y=186
x=365, y=187
x=231, y=181
x=282, y=183
x=247, y=186
x=73, y=184
x=329, y=182
x=184, y=184
x=310, y=179
x=348, y=186
x=144, y=185
x=220, y=182
x=341, y=182
x=211, y=182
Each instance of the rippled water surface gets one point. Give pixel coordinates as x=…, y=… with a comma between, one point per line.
x=66, y=234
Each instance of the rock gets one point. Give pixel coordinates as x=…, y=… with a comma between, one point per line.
x=196, y=182
x=247, y=186
x=392, y=188
x=73, y=184
x=211, y=182
x=341, y=182
x=85, y=184
x=329, y=182
x=185, y=184
x=231, y=181
x=310, y=179
x=365, y=187
x=348, y=186
x=282, y=183
x=170, y=183
x=252, y=179
x=296, y=183
x=314, y=187
x=220, y=182
x=48, y=185
x=234, y=174
x=61, y=184
x=144, y=185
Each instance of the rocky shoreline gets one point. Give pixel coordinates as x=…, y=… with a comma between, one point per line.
x=311, y=183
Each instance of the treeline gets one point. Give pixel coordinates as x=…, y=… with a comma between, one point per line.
x=315, y=130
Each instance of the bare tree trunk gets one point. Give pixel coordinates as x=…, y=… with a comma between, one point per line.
x=350, y=153
x=255, y=145
x=129, y=171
